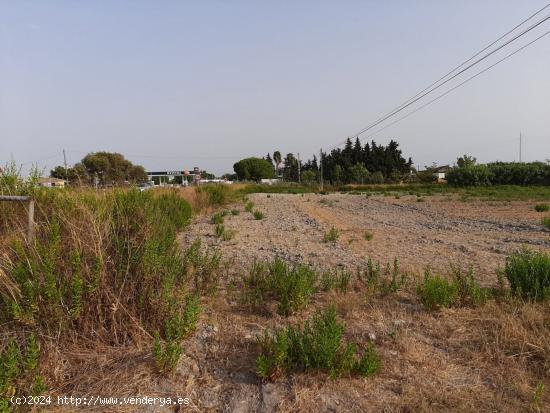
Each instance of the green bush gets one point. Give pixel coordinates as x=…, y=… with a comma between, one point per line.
x=217, y=218
x=335, y=279
x=317, y=345
x=436, y=292
x=291, y=286
x=249, y=206
x=469, y=290
x=500, y=173
x=546, y=222
x=218, y=194
x=331, y=235
x=528, y=273
x=221, y=232
x=542, y=207
x=168, y=351
x=258, y=215
x=19, y=370
x=202, y=267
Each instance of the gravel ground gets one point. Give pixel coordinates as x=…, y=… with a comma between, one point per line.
x=431, y=362
x=433, y=233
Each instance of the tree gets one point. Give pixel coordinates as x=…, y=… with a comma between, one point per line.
x=112, y=168
x=278, y=159
x=253, y=169
x=359, y=173
x=309, y=176
x=337, y=174
x=290, y=170
x=109, y=168
x=465, y=161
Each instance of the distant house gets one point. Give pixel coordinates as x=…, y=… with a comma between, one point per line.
x=51, y=182
x=440, y=171
x=269, y=181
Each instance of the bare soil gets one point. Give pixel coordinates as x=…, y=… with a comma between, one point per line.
x=462, y=359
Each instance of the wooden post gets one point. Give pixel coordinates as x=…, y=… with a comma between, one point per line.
x=30, y=233
x=30, y=211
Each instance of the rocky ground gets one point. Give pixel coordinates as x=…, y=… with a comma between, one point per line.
x=442, y=362
x=436, y=232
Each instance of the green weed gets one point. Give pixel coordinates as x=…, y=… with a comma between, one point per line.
x=317, y=345
x=528, y=273
x=331, y=235
x=258, y=215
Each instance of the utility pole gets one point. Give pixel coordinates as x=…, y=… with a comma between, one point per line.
x=299, y=167
x=65, y=163
x=520, y=147
x=321, y=168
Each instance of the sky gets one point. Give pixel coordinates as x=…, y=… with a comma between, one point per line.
x=177, y=84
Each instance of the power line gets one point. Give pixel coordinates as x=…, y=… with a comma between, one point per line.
x=430, y=88
x=459, y=85
x=474, y=56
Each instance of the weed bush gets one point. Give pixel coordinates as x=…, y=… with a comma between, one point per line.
x=202, y=267
x=436, y=292
x=249, y=206
x=218, y=194
x=235, y=212
x=469, y=290
x=331, y=235
x=542, y=207
x=368, y=235
x=258, y=215
x=335, y=279
x=217, y=219
x=317, y=345
x=546, y=222
x=291, y=286
x=528, y=273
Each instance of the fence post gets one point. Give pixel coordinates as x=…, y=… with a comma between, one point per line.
x=30, y=234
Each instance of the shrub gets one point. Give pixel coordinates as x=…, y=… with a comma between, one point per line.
x=221, y=232
x=528, y=273
x=332, y=235
x=291, y=286
x=436, y=292
x=368, y=235
x=500, y=173
x=335, y=279
x=202, y=267
x=168, y=351
x=469, y=290
x=546, y=222
x=235, y=212
x=217, y=218
x=542, y=207
x=218, y=194
x=258, y=215
x=249, y=206
x=317, y=345
x=19, y=367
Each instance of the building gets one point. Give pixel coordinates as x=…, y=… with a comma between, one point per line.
x=440, y=171
x=52, y=182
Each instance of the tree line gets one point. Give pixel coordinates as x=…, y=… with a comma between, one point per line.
x=355, y=163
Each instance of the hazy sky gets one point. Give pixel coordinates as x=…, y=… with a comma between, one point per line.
x=177, y=84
